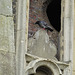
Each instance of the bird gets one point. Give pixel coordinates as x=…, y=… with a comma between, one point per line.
x=44, y=25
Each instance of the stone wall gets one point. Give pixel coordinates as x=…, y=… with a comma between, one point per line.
x=7, y=48
x=74, y=43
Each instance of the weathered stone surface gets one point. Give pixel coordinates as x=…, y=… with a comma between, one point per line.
x=43, y=66
x=41, y=46
x=6, y=7
x=6, y=34
x=7, y=63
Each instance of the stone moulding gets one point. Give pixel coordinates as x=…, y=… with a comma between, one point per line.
x=55, y=66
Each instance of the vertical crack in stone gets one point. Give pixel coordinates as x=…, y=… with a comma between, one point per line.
x=14, y=5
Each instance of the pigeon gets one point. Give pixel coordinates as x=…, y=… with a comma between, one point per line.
x=44, y=25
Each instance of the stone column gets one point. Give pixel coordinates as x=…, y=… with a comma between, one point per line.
x=74, y=43
x=67, y=33
x=21, y=37
x=7, y=48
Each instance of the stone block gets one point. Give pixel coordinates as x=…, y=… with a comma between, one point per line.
x=73, y=73
x=6, y=34
x=6, y=7
x=7, y=63
x=41, y=46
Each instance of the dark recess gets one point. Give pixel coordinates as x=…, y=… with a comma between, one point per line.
x=54, y=14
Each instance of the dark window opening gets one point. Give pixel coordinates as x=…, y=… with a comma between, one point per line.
x=43, y=70
x=54, y=14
